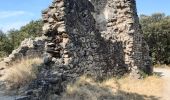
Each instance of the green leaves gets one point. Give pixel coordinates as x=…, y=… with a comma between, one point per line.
x=5, y=45
x=156, y=29
x=33, y=29
x=12, y=39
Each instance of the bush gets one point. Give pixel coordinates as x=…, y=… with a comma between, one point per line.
x=156, y=29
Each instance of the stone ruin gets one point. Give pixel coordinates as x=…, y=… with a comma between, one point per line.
x=29, y=48
x=98, y=38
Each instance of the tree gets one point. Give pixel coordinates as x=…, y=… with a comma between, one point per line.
x=5, y=45
x=31, y=30
x=12, y=39
x=156, y=29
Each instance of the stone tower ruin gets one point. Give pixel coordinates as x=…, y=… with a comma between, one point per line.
x=95, y=37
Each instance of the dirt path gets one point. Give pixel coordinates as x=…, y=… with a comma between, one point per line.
x=165, y=74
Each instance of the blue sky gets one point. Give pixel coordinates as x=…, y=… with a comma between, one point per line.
x=151, y=6
x=16, y=13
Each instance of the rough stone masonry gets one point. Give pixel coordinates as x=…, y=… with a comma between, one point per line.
x=96, y=37
x=100, y=38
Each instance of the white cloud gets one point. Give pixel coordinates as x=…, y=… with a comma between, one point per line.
x=7, y=20
x=15, y=25
x=8, y=14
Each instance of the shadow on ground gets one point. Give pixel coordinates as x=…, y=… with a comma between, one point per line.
x=92, y=91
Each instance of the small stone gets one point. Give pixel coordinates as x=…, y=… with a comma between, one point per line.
x=64, y=35
x=61, y=4
x=59, y=61
x=66, y=61
x=61, y=29
x=51, y=44
x=65, y=40
x=54, y=10
x=49, y=38
x=47, y=59
x=54, y=59
x=50, y=20
x=90, y=58
x=65, y=52
x=6, y=60
x=66, y=56
x=53, y=80
x=46, y=27
x=29, y=92
x=45, y=18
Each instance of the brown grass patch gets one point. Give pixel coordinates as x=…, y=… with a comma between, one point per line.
x=21, y=73
x=115, y=89
x=150, y=88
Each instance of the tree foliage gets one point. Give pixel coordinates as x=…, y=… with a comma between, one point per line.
x=12, y=39
x=156, y=29
x=5, y=45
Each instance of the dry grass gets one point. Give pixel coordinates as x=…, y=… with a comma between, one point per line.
x=20, y=73
x=151, y=87
x=115, y=89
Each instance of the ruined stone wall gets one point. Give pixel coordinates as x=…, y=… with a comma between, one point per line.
x=76, y=45
x=29, y=48
x=100, y=38
x=122, y=25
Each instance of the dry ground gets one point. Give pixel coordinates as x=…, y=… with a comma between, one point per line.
x=115, y=89
x=154, y=87
x=165, y=75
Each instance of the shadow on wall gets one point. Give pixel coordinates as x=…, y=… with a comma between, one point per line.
x=84, y=23
x=114, y=53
